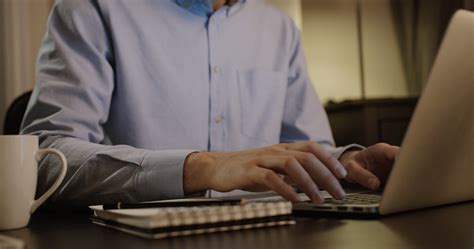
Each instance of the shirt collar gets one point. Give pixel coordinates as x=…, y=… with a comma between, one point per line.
x=202, y=7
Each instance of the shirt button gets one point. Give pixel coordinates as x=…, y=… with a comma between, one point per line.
x=217, y=120
x=216, y=69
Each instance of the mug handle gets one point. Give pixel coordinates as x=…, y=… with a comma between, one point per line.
x=38, y=156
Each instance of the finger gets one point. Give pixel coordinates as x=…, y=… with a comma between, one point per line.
x=390, y=152
x=362, y=176
x=320, y=173
x=288, y=165
x=383, y=152
x=288, y=180
x=271, y=179
x=324, y=156
x=379, y=159
x=317, y=171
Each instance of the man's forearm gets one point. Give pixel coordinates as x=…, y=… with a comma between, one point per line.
x=99, y=174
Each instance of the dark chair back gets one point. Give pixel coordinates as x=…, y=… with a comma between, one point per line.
x=15, y=114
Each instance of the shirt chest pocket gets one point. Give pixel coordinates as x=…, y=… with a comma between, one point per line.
x=262, y=100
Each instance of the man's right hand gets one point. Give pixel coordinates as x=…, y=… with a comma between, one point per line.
x=307, y=164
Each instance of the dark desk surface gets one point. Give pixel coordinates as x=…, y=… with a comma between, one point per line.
x=442, y=227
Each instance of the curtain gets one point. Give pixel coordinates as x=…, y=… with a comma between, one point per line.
x=420, y=26
x=22, y=25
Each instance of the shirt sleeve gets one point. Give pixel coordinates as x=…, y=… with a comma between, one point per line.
x=304, y=117
x=69, y=107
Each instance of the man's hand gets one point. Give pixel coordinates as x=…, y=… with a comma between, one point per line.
x=307, y=164
x=370, y=167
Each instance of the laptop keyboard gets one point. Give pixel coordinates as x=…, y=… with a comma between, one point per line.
x=359, y=198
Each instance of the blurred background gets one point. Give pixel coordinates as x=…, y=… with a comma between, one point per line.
x=368, y=59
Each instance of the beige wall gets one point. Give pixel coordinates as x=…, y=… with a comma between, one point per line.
x=292, y=7
x=22, y=25
x=384, y=73
x=331, y=46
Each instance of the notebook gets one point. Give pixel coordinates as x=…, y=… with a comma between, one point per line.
x=162, y=222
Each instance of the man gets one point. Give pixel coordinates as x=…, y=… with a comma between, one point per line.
x=161, y=99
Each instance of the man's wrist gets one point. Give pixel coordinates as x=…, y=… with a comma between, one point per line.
x=348, y=155
x=196, y=172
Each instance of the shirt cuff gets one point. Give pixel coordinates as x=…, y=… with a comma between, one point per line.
x=161, y=175
x=337, y=152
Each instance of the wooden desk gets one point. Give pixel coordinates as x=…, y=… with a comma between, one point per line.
x=444, y=227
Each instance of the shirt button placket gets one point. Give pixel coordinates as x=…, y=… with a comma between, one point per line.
x=215, y=126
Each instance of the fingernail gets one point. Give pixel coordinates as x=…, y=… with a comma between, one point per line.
x=373, y=183
x=341, y=193
x=341, y=172
x=318, y=198
x=296, y=198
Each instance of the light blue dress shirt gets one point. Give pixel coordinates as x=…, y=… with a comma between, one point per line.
x=127, y=89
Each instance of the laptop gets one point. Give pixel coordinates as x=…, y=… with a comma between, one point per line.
x=435, y=165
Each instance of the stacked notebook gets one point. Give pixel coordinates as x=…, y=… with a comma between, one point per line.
x=155, y=220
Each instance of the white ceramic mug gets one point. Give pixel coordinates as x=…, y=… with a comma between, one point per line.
x=19, y=156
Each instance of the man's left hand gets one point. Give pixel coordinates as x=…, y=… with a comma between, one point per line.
x=370, y=167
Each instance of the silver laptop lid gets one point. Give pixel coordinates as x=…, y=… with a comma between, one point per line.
x=435, y=165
